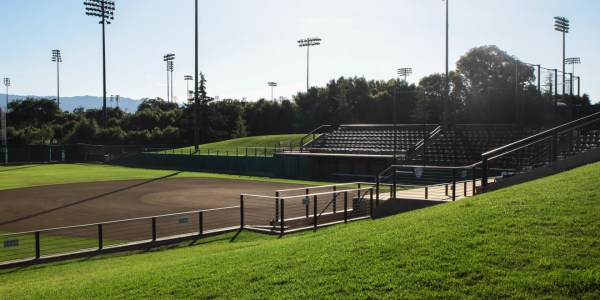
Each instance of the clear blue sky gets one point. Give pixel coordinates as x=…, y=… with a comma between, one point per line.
x=246, y=43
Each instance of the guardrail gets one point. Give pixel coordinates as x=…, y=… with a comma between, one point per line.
x=89, y=238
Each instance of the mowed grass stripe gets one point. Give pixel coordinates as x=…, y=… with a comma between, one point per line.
x=12, y=177
x=536, y=240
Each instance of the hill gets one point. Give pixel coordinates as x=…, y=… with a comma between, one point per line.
x=536, y=240
x=240, y=144
x=87, y=102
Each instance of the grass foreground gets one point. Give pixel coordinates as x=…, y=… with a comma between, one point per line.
x=20, y=176
x=536, y=240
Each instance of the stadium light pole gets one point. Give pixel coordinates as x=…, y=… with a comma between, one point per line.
x=196, y=101
x=3, y=121
x=272, y=84
x=187, y=79
x=404, y=72
x=447, y=83
x=103, y=9
x=168, y=58
x=578, y=84
x=171, y=67
x=561, y=24
x=572, y=61
x=307, y=43
x=58, y=59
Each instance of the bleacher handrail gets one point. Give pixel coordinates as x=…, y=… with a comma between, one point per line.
x=313, y=133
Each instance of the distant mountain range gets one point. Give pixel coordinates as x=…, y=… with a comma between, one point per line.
x=87, y=102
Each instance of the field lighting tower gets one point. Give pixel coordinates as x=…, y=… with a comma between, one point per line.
x=170, y=63
x=187, y=79
x=3, y=121
x=103, y=9
x=307, y=43
x=272, y=84
x=572, y=61
x=58, y=59
x=168, y=58
x=196, y=73
x=561, y=24
x=447, y=83
x=404, y=72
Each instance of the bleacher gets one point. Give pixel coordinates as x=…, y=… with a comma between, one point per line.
x=369, y=139
x=464, y=145
x=587, y=141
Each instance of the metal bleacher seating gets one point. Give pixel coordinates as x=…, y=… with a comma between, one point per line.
x=369, y=139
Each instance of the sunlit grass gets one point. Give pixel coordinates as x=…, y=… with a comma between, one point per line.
x=536, y=240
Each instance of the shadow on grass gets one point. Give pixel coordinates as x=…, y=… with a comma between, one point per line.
x=88, y=199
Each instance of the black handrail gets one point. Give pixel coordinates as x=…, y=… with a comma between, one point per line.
x=313, y=134
x=536, y=138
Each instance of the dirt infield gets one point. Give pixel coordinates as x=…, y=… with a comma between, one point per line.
x=74, y=204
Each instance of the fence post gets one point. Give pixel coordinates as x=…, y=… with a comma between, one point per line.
x=201, y=222
x=38, y=253
x=465, y=188
x=276, y=206
x=345, y=207
x=394, y=187
x=453, y=184
x=241, y=211
x=554, y=147
x=334, y=199
x=426, y=192
x=154, y=229
x=282, y=204
x=377, y=191
x=484, y=172
x=474, y=180
x=371, y=202
x=446, y=185
x=308, y=203
x=100, y=237
x=315, y=212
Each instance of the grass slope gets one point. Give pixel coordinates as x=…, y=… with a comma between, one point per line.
x=265, y=141
x=12, y=177
x=536, y=240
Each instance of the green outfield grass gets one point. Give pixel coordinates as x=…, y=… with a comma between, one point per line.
x=247, y=145
x=536, y=240
x=12, y=177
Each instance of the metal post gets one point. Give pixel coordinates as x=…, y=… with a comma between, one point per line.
x=484, y=172
x=38, y=252
x=241, y=211
x=100, y=237
x=276, y=206
x=334, y=199
x=474, y=179
x=371, y=202
x=307, y=204
x=201, y=222
x=105, y=118
x=465, y=188
x=153, y=229
x=426, y=192
x=345, y=207
x=377, y=191
x=196, y=100
x=315, y=212
x=394, y=186
x=453, y=184
x=282, y=215
x=447, y=83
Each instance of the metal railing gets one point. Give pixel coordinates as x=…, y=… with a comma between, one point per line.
x=319, y=130
x=291, y=212
x=23, y=246
x=549, y=139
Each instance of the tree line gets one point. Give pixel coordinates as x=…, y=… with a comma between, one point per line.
x=487, y=87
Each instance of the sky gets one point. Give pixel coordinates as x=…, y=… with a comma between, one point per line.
x=244, y=44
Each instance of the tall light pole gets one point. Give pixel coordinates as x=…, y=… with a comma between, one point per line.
x=3, y=123
x=58, y=59
x=572, y=61
x=404, y=72
x=7, y=84
x=196, y=101
x=187, y=79
x=561, y=24
x=447, y=91
x=103, y=9
x=307, y=43
x=272, y=84
x=171, y=70
x=168, y=58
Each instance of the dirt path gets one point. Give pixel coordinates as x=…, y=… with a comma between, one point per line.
x=74, y=204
